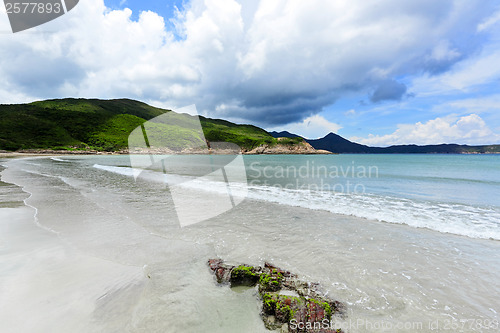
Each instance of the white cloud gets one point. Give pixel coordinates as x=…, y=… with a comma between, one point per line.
x=270, y=63
x=443, y=51
x=313, y=127
x=470, y=129
x=482, y=104
x=350, y=113
x=483, y=70
x=473, y=72
x=489, y=22
x=465, y=77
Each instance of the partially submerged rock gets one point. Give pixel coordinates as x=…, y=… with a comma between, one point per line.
x=288, y=303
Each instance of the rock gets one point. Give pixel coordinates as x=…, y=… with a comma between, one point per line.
x=298, y=148
x=244, y=276
x=288, y=304
x=222, y=271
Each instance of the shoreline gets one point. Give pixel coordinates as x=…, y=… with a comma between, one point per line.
x=368, y=215
x=43, y=274
x=35, y=153
x=56, y=153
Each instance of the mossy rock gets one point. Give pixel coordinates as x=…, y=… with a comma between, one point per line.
x=281, y=309
x=285, y=298
x=271, y=281
x=244, y=276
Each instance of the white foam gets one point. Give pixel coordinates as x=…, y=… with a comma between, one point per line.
x=147, y=175
x=27, y=200
x=459, y=219
x=474, y=222
x=206, y=183
x=57, y=159
x=118, y=170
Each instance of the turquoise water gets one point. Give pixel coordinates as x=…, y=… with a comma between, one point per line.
x=459, y=179
x=448, y=193
x=455, y=194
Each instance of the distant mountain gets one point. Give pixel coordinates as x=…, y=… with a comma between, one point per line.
x=438, y=149
x=337, y=144
x=284, y=134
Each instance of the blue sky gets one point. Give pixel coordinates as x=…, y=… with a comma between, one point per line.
x=379, y=73
x=165, y=8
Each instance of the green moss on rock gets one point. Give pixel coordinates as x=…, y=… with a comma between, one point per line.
x=271, y=281
x=244, y=276
x=285, y=298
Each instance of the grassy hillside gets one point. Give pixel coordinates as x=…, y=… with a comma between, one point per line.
x=106, y=124
x=245, y=136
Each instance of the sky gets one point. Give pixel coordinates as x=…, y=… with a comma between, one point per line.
x=376, y=72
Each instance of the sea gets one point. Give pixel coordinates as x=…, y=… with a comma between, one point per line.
x=110, y=243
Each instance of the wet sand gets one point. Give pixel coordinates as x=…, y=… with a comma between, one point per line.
x=49, y=286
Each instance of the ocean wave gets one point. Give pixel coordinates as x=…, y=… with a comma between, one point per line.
x=124, y=171
x=470, y=221
x=142, y=174
x=57, y=159
x=210, y=183
x=459, y=219
x=427, y=178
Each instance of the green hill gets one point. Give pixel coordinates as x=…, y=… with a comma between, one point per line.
x=105, y=125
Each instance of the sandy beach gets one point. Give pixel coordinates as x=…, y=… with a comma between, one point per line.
x=49, y=286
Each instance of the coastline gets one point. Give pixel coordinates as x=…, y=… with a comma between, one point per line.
x=44, y=152
x=256, y=151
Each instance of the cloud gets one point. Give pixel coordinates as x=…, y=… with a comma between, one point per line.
x=25, y=74
x=441, y=58
x=470, y=129
x=268, y=62
x=350, y=113
x=489, y=22
x=489, y=104
x=471, y=73
x=388, y=90
x=312, y=127
x=467, y=76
